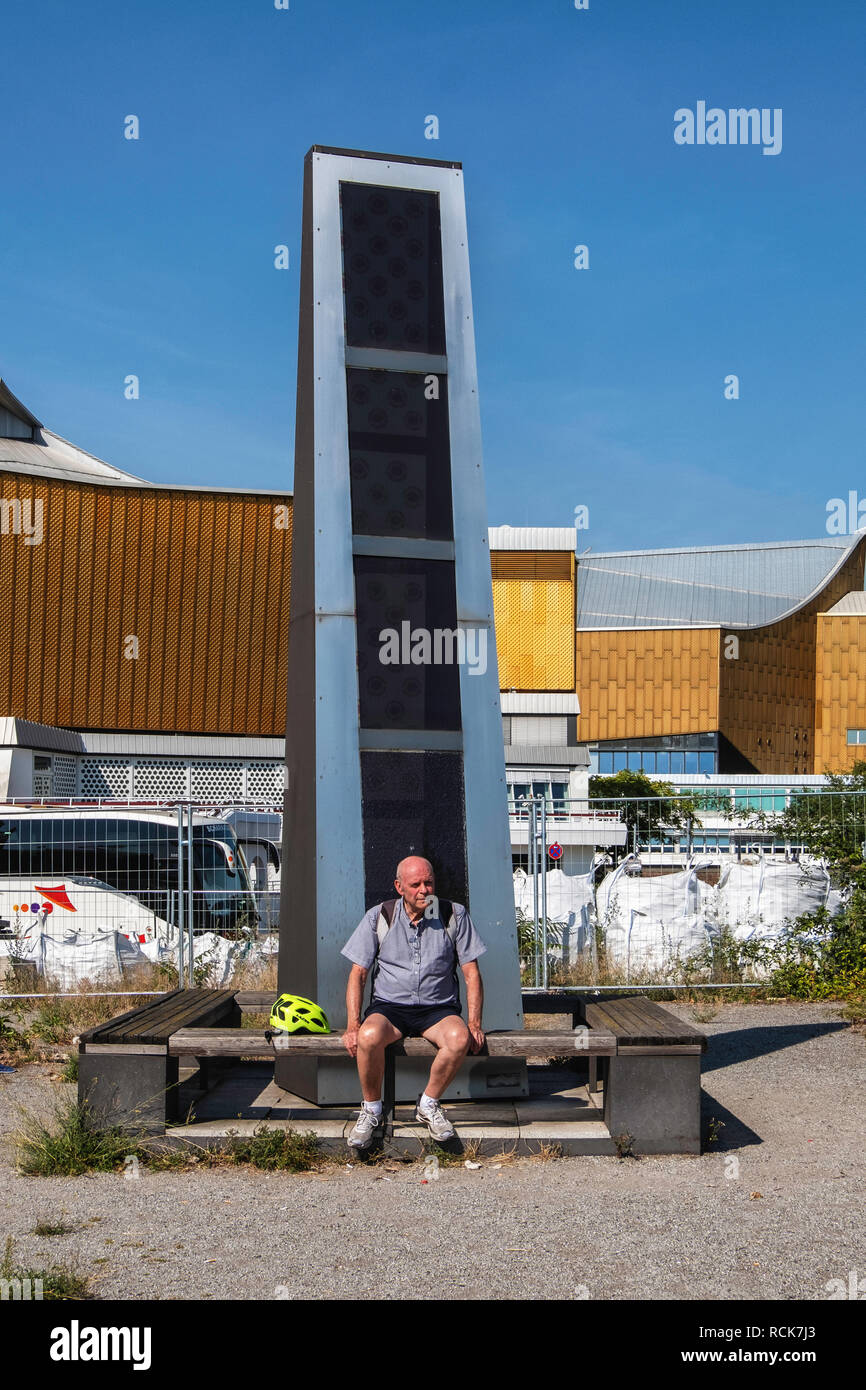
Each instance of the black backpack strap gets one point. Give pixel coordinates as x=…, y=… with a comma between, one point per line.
x=383, y=926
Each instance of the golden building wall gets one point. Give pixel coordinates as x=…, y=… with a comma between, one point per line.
x=767, y=699
x=840, y=690
x=533, y=605
x=642, y=683
x=200, y=578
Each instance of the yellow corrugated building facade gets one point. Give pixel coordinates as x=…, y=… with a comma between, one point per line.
x=164, y=611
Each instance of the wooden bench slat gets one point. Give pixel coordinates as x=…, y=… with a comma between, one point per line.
x=600, y=1018
x=156, y=1024
x=655, y=1010
x=651, y=1026
x=662, y=1022
x=229, y=1042
x=204, y=1015
x=640, y=1024
x=111, y=1024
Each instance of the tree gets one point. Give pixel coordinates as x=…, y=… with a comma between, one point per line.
x=831, y=825
x=651, y=808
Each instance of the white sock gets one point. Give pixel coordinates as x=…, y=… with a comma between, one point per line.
x=374, y=1106
x=427, y=1102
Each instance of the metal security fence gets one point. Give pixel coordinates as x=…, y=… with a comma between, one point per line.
x=89, y=886
x=692, y=889
x=697, y=888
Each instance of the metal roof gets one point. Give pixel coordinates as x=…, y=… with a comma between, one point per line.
x=24, y=733
x=532, y=537
x=705, y=586
x=538, y=702
x=52, y=457
x=854, y=602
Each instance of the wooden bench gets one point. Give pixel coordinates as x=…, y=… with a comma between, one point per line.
x=125, y=1070
x=646, y=1059
x=652, y=1083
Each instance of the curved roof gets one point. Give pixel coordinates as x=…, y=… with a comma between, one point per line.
x=706, y=586
x=49, y=456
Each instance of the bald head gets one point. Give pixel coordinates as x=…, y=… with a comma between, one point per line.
x=412, y=867
x=415, y=883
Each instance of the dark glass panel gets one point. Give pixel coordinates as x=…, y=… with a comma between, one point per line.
x=412, y=803
x=392, y=268
x=399, y=455
x=415, y=602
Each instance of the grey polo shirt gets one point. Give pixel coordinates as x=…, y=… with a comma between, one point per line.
x=416, y=965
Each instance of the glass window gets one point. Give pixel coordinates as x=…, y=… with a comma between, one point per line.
x=540, y=789
x=560, y=795
x=649, y=763
x=663, y=762
x=707, y=762
x=619, y=762
x=678, y=762
x=634, y=762
x=691, y=762
x=605, y=762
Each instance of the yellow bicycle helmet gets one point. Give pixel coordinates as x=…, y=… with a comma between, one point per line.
x=294, y=1014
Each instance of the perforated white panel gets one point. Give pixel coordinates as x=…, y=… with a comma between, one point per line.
x=63, y=775
x=216, y=781
x=106, y=777
x=160, y=778
x=265, y=780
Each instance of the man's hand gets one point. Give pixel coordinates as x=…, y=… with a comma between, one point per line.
x=350, y=1041
x=476, y=1035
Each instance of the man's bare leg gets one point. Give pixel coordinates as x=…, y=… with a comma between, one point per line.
x=451, y=1037
x=374, y=1035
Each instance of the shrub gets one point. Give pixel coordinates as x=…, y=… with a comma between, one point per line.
x=72, y=1141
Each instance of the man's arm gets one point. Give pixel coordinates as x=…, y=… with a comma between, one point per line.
x=354, y=999
x=474, y=1003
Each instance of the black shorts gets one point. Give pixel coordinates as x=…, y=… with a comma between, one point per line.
x=412, y=1019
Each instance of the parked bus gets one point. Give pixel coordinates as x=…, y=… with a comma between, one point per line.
x=96, y=867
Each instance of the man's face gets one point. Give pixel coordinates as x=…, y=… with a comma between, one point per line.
x=416, y=884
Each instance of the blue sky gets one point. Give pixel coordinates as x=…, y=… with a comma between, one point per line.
x=602, y=386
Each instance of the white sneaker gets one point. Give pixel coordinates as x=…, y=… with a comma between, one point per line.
x=368, y=1127
x=434, y=1118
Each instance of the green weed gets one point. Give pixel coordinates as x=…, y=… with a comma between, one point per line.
x=72, y=1141
x=59, y=1282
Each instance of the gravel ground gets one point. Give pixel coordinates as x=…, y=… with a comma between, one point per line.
x=773, y=1210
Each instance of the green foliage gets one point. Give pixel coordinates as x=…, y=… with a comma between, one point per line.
x=70, y=1070
x=855, y=1009
x=272, y=1149
x=831, y=825
x=58, y=1282
x=624, y=1144
x=15, y=1042
x=72, y=1141
x=815, y=957
x=526, y=936
x=649, y=808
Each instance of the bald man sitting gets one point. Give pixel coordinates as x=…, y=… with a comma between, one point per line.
x=415, y=994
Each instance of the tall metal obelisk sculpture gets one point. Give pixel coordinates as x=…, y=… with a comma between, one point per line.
x=393, y=745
